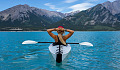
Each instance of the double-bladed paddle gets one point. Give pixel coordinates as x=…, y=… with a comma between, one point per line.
x=34, y=42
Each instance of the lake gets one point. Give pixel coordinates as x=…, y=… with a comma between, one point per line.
x=104, y=55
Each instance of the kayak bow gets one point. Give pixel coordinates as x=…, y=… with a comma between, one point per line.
x=59, y=52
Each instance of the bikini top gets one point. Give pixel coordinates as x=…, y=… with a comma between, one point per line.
x=57, y=43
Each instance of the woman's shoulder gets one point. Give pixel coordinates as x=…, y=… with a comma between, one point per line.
x=64, y=37
x=56, y=36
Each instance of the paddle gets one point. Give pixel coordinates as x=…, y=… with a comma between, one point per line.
x=34, y=42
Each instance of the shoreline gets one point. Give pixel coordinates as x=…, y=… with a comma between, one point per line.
x=22, y=31
x=54, y=31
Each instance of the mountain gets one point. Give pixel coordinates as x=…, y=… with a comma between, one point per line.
x=102, y=17
x=26, y=16
x=118, y=16
x=113, y=7
x=95, y=18
x=71, y=13
x=19, y=11
x=29, y=18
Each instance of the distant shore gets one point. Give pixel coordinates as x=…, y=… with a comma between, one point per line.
x=22, y=31
x=46, y=31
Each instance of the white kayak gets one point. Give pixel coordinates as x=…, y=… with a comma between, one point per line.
x=59, y=52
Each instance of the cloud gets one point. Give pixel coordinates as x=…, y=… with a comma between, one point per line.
x=80, y=7
x=70, y=1
x=111, y=0
x=52, y=7
x=92, y=0
x=49, y=5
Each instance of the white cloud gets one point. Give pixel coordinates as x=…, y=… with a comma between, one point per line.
x=92, y=0
x=70, y=1
x=111, y=0
x=49, y=5
x=80, y=7
x=52, y=7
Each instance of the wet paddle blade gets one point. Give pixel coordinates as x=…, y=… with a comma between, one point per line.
x=29, y=42
x=86, y=43
x=34, y=42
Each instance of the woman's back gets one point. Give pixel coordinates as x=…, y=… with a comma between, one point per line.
x=60, y=39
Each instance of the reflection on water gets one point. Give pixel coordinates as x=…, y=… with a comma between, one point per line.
x=30, y=57
x=104, y=55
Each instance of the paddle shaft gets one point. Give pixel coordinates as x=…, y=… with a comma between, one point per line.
x=53, y=42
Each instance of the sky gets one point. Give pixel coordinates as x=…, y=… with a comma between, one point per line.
x=64, y=6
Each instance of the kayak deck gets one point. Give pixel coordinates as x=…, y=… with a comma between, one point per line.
x=59, y=52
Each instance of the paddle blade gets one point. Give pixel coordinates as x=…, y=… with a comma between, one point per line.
x=29, y=42
x=86, y=43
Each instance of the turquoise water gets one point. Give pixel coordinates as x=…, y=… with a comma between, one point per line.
x=104, y=55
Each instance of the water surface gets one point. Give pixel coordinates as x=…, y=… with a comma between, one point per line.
x=104, y=55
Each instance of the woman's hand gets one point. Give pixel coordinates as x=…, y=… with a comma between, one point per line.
x=62, y=29
x=57, y=29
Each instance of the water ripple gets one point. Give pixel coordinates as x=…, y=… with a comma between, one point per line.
x=104, y=55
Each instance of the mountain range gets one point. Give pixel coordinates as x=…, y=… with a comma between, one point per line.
x=105, y=16
x=96, y=18
x=113, y=7
x=29, y=18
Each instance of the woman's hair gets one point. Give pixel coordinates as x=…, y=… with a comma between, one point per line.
x=64, y=33
x=61, y=39
x=60, y=36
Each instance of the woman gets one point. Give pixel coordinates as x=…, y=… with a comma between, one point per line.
x=60, y=39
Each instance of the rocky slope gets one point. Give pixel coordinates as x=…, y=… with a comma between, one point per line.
x=113, y=7
x=19, y=11
x=90, y=19
x=104, y=16
x=26, y=16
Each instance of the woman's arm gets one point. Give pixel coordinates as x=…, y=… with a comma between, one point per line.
x=68, y=35
x=50, y=32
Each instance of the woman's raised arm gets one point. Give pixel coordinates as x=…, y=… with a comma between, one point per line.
x=68, y=35
x=50, y=32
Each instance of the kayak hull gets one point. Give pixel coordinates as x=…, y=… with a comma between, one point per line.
x=59, y=52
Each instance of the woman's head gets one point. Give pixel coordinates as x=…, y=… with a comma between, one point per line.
x=60, y=30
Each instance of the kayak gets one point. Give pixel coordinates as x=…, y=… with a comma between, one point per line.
x=59, y=52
